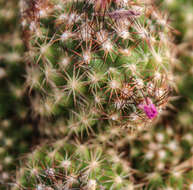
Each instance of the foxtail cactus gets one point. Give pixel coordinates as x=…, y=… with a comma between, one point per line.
x=98, y=60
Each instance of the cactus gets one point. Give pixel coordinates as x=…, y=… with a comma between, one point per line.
x=155, y=156
x=72, y=166
x=154, y=160
x=97, y=83
x=164, y=155
x=97, y=60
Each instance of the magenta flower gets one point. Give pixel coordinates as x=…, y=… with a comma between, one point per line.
x=149, y=108
x=101, y=4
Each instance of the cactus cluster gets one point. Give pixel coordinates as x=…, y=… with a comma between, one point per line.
x=87, y=63
x=97, y=71
x=154, y=160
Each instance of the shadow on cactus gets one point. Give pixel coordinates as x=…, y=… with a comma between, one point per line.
x=86, y=64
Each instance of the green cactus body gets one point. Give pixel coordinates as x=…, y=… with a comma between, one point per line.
x=86, y=64
x=151, y=161
x=75, y=81
x=66, y=166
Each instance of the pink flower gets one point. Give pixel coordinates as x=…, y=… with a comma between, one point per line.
x=149, y=108
x=101, y=4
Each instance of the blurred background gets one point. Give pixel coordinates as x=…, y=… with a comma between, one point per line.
x=173, y=136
